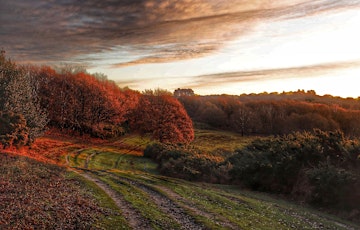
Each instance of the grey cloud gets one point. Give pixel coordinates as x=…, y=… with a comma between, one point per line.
x=64, y=29
x=51, y=31
x=172, y=53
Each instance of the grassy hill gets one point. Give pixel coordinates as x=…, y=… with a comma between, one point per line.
x=109, y=185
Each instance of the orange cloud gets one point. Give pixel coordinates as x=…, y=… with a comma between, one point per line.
x=270, y=74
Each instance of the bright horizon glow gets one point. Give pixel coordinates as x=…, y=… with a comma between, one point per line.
x=286, y=46
x=344, y=85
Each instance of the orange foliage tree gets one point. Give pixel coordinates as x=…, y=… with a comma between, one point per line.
x=83, y=102
x=163, y=117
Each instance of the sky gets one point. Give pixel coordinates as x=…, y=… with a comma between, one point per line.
x=211, y=46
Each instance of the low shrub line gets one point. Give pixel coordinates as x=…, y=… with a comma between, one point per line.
x=319, y=167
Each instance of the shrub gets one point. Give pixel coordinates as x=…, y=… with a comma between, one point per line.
x=185, y=162
x=105, y=131
x=332, y=186
x=13, y=130
x=318, y=167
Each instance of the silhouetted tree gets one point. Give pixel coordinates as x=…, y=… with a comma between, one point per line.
x=241, y=119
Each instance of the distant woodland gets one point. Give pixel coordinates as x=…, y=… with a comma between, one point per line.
x=35, y=98
x=275, y=113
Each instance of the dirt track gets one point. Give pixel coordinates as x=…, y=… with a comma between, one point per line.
x=134, y=218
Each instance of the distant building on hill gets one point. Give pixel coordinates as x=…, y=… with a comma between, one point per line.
x=183, y=92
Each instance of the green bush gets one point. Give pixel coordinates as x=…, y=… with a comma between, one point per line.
x=318, y=167
x=151, y=151
x=184, y=162
x=333, y=186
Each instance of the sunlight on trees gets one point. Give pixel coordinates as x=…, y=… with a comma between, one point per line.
x=163, y=117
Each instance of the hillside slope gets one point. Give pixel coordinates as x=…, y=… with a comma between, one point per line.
x=108, y=185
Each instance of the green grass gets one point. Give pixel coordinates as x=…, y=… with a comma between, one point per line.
x=225, y=204
x=211, y=140
x=136, y=140
x=140, y=201
x=244, y=210
x=99, y=160
x=282, y=207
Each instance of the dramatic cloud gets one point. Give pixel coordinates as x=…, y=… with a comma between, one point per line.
x=59, y=30
x=167, y=43
x=63, y=30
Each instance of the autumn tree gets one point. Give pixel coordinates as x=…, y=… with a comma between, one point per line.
x=191, y=105
x=85, y=103
x=162, y=116
x=275, y=114
x=212, y=115
x=19, y=95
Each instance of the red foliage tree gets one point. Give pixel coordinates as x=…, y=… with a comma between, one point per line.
x=164, y=118
x=83, y=102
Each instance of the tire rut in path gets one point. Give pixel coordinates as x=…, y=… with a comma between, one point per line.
x=134, y=218
x=186, y=204
x=88, y=158
x=166, y=205
x=67, y=157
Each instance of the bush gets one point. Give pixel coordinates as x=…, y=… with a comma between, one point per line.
x=186, y=163
x=105, y=131
x=332, y=186
x=13, y=130
x=318, y=167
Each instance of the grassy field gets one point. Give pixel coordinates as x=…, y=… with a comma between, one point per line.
x=210, y=140
x=119, y=189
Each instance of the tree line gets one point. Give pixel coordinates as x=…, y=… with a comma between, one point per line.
x=275, y=114
x=34, y=98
